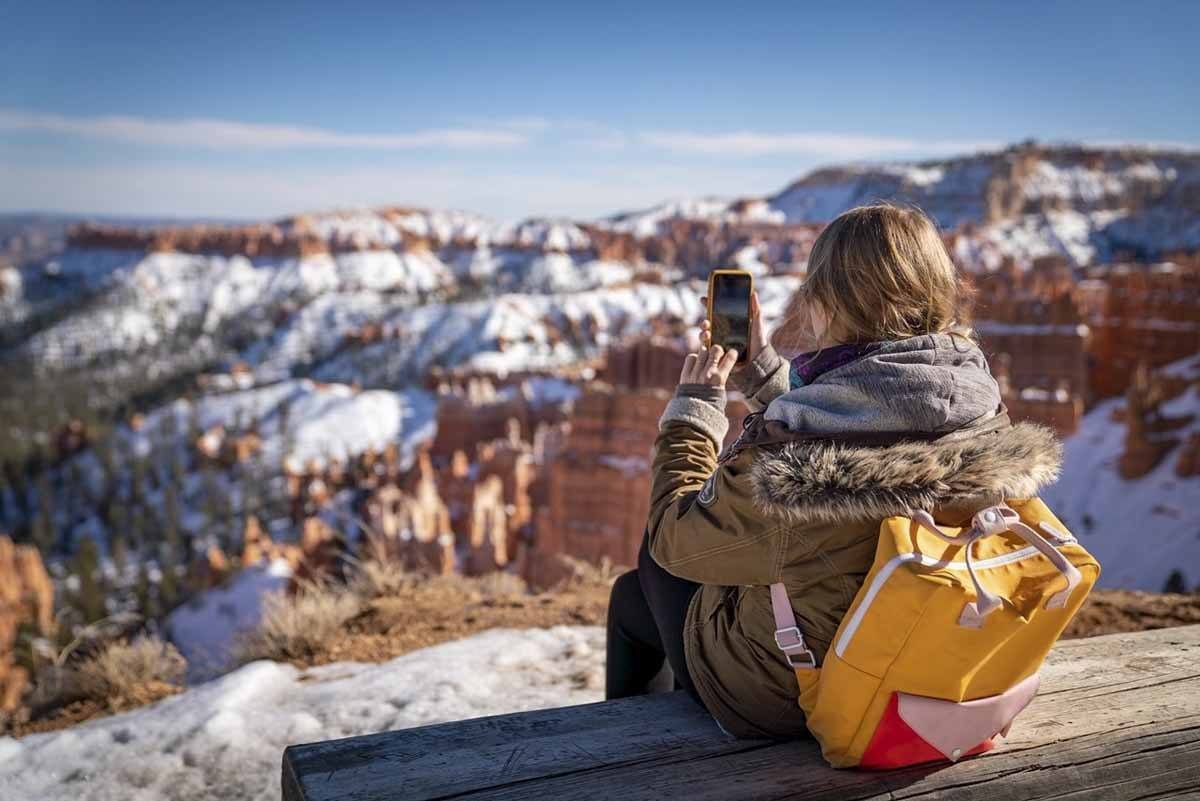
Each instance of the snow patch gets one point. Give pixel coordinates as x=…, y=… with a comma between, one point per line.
x=224, y=739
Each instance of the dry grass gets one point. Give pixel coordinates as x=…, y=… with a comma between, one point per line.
x=373, y=579
x=499, y=585
x=127, y=674
x=294, y=627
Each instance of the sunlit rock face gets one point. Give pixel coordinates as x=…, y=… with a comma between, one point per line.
x=26, y=599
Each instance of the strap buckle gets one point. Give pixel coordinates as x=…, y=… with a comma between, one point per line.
x=791, y=642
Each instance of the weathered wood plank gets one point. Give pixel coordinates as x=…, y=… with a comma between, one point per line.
x=1120, y=712
x=484, y=752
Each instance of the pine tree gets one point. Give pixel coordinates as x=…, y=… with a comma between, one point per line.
x=120, y=553
x=42, y=534
x=168, y=585
x=46, y=536
x=1176, y=582
x=84, y=565
x=171, y=515
x=147, y=604
x=137, y=528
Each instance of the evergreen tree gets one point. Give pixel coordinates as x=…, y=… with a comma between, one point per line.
x=45, y=511
x=85, y=567
x=138, y=531
x=41, y=532
x=1176, y=582
x=144, y=594
x=4, y=492
x=120, y=552
x=108, y=468
x=77, y=490
x=171, y=526
x=168, y=585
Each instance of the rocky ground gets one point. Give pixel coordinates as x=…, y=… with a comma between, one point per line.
x=1113, y=611
x=418, y=614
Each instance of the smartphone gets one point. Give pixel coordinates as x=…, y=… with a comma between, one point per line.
x=729, y=310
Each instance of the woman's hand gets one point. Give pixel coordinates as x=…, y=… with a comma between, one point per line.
x=710, y=367
x=758, y=329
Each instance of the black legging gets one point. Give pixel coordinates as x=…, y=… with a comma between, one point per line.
x=646, y=612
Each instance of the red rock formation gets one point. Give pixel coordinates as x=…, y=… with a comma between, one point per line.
x=645, y=363
x=599, y=487
x=1147, y=433
x=411, y=526
x=26, y=598
x=487, y=527
x=1150, y=314
x=1188, y=463
x=263, y=240
x=511, y=460
x=1031, y=328
x=482, y=413
x=208, y=570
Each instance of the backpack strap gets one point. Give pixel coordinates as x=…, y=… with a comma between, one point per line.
x=995, y=520
x=787, y=634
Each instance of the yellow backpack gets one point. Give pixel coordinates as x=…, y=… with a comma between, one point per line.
x=941, y=647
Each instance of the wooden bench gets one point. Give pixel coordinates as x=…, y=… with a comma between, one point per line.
x=1118, y=717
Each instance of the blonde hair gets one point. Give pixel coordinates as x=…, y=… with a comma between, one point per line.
x=881, y=272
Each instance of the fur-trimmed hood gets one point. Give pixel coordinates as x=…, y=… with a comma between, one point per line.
x=822, y=481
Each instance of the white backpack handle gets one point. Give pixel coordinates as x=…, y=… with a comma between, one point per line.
x=996, y=520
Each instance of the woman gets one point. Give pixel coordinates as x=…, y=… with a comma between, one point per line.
x=892, y=409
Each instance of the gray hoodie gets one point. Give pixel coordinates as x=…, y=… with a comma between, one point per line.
x=930, y=383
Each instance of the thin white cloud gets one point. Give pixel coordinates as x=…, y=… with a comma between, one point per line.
x=230, y=135
x=748, y=144
x=507, y=194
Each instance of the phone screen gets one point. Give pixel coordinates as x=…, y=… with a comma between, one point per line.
x=731, y=313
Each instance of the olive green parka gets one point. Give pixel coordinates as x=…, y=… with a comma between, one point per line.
x=804, y=508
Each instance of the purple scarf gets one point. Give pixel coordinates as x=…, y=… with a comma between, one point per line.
x=807, y=367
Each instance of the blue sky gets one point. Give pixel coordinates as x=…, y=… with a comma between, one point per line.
x=513, y=109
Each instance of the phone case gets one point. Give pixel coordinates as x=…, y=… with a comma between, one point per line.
x=744, y=356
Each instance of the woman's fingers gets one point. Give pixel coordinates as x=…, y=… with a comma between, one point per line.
x=725, y=366
x=710, y=366
x=712, y=360
x=758, y=328
x=688, y=374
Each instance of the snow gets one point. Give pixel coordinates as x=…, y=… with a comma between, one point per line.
x=325, y=421
x=1089, y=186
x=648, y=222
x=469, y=334
x=1089, y=210
x=445, y=225
x=361, y=224
x=206, y=627
x=335, y=422
x=224, y=739
x=389, y=271
x=1141, y=529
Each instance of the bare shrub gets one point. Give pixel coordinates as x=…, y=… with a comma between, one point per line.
x=499, y=583
x=374, y=579
x=297, y=626
x=131, y=673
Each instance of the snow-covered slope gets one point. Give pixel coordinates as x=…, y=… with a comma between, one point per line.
x=300, y=420
x=645, y=223
x=225, y=739
x=520, y=332
x=1085, y=203
x=206, y=627
x=1140, y=530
